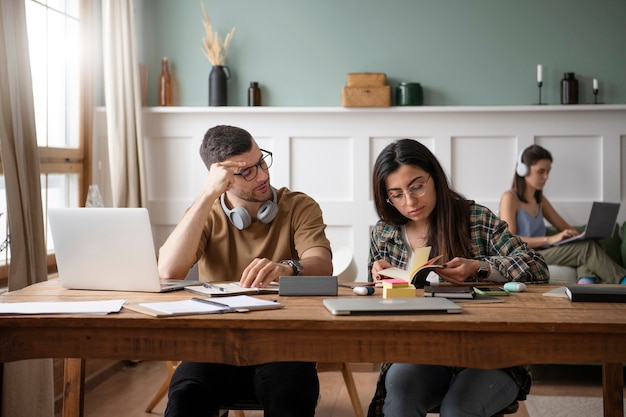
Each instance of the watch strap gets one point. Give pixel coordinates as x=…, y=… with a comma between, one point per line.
x=295, y=266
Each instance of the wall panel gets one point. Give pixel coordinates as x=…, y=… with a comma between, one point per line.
x=329, y=152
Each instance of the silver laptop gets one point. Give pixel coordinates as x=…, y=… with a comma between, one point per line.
x=107, y=249
x=382, y=306
x=600, y=225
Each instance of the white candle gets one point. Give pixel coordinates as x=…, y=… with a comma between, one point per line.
x=539, y=74
x=595, y=84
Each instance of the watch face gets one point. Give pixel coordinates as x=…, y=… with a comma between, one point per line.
x=482, y=271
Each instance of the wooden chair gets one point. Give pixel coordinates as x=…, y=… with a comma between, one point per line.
x=240, y=406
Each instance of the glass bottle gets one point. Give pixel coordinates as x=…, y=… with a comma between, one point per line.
x=94, y=198
x=165, y=85
x=569, y=88
x=254, y=94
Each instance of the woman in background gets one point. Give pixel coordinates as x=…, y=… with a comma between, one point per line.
x=417, y=208
x=524, y=208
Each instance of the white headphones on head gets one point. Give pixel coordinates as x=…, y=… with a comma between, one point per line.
x=240, y=217
x=521, y=169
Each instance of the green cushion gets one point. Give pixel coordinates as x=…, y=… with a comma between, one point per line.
x=623, y=234
x=613, y=246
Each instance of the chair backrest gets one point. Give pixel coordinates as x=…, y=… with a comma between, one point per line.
x=344, y=267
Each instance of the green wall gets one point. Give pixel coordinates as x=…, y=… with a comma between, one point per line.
x=463, y=52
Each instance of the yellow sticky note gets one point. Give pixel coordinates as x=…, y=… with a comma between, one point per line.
x=400, y=292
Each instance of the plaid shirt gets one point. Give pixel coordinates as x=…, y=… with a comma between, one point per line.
x=490, y=240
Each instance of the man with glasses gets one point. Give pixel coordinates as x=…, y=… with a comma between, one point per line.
x=241, y=229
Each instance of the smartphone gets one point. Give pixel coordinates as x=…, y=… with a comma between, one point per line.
x=491, y=291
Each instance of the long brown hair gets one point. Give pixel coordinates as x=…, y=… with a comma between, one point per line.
x=530, y=156
x=448, y=231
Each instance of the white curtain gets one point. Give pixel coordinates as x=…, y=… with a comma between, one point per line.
x=123, y=103
x=27, y=388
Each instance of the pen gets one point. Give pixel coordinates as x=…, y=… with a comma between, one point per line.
x=226, y=307
x=209, y=285
x=213, y=303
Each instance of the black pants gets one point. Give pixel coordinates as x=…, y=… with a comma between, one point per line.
x=285, y=389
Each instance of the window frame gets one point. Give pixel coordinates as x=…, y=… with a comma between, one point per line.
x=55, y=160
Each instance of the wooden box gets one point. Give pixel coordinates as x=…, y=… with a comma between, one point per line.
x=366, y=96
x=367, y=79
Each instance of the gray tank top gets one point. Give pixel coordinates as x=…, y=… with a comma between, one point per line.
x=529, y=225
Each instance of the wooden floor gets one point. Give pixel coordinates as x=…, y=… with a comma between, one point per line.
x=127, y=392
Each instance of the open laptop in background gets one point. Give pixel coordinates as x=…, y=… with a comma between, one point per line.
x=385, y=306
x=600, y=225
x=107, y=249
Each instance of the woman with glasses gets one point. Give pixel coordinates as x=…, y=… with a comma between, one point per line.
x=417, y=208
x=524, y=207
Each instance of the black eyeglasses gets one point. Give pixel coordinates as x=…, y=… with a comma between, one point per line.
x=264, y=163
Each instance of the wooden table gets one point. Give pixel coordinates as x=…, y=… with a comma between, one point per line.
x=527, y=328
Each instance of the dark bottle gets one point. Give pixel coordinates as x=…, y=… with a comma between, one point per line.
x=569, y=89
x=165, y=85
x=254, y=94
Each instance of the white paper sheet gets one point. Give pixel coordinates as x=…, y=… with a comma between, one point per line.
x=69, y=307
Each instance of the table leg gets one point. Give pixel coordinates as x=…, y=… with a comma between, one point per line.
x=613, y=389
x=73, y=384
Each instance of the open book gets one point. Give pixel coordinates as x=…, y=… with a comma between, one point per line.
x=221, y=289
x=234, y=304
x=420, y=269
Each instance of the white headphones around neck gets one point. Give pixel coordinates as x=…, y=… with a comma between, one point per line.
x=240, y=217
x=521, y=168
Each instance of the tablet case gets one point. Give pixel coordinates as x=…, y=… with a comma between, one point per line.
x=308, y=285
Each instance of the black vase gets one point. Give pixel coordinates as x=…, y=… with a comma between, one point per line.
x=217, y=85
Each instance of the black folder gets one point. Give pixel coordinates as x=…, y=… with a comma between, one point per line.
x=597, y=293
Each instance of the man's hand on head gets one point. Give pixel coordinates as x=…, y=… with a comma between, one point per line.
x=222, y=176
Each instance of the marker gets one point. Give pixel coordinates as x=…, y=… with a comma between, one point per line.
x=363, y=290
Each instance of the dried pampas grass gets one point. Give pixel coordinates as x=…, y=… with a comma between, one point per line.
x=214, y=49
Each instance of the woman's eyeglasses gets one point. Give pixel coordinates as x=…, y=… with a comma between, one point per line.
x=416, y=190
x=264, y=163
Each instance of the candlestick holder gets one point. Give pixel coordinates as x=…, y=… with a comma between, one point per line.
x=539, y=85
x=595, y=96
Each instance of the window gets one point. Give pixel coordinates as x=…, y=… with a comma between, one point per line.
x=58, y=36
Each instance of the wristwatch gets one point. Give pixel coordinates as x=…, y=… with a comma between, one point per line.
x=483, y=271
x=295, y=265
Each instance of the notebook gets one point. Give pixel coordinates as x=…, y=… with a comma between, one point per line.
x=107, y=249
x=600, y=225
x=382, y=306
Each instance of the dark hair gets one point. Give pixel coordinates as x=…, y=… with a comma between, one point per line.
x=449, y=232
x=530, y=156
x=221, y=142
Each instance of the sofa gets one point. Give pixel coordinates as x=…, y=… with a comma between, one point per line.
x=615, y=247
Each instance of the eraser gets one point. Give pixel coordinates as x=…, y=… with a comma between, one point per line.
x=514, y=286
x=363, y=290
